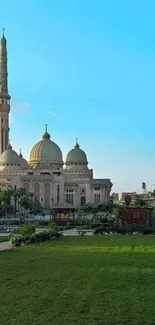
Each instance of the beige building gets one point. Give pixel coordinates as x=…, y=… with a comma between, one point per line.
x=54, y=183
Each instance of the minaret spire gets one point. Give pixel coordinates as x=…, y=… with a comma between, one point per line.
x=4, y=95
x=20, y=153
x=3, y=29
x=76, y=144
x=46, y=135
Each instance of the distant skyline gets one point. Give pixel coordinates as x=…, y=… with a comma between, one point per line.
x=87, y=69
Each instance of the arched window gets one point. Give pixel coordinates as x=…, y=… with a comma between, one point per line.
x=47, y=196
x=37, y=191
x=27, y=187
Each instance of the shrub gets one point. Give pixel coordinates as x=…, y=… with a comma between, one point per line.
x=95, y=225
x=148, y=231
x=100, y=230
x=52, y=225
x=34, y=238
x=125, y=229
x=16, y=240
x=27, y=230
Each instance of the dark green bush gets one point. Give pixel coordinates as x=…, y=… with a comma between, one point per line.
x=100, y=230
x=52, y=225
x=27, y=230
x=125, y=229
x=96, y=225
x=148, y=231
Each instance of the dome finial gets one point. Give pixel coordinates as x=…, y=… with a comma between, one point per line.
x=76, y=144
x=3, y=29
x=20, y=153
x=46, y=135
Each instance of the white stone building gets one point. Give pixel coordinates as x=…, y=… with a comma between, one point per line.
x=54, y=183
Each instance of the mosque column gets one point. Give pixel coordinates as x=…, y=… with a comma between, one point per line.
x=87, y=192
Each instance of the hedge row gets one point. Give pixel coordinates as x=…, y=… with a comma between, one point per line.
x=34, y=238
x=125, y=230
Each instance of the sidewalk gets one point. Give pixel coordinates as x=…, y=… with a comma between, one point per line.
x=5, y=246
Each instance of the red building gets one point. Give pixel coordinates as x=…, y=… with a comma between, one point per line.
x=131, y=194
x=137, y=215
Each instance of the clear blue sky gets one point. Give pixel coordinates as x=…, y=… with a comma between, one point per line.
x=87, y=68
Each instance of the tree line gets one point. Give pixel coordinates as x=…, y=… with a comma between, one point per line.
x=18, y=201
x=101, y=211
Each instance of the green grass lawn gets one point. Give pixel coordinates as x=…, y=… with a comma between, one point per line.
x=79, y=280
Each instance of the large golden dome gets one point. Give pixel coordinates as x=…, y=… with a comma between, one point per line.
x=45, y=151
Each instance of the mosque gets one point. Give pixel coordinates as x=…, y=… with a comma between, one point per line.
x=57, y=185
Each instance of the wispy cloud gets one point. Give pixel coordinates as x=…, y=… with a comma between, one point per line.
x=52, y=113
x=17, y=108
x=21, y=107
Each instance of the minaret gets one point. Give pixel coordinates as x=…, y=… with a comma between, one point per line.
x=4, y=96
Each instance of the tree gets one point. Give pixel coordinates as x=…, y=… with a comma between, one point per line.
x=102, y=211
x=152, y=194
x=27, y=230
x=118, y=212
x=35, y=206
x=6, y=201
x=140, y=202
x=18, y=200
x=18, y=196
x=128, y=200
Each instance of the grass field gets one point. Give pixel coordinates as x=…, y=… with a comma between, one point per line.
x=80, y=280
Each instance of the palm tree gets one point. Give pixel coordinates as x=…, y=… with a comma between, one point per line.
x=6, y=201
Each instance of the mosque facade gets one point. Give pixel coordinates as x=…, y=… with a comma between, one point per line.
x=54, y=183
